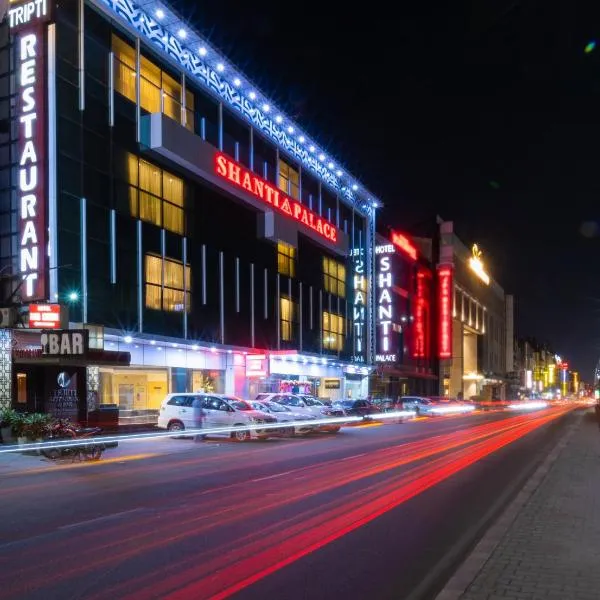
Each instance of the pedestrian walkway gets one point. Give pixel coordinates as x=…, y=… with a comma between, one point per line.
x=547, y=544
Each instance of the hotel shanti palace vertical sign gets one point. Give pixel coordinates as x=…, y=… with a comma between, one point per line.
x=359, y=303
x=27, y=21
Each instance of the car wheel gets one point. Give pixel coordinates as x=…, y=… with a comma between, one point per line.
x=175, y=426
x=240, y=435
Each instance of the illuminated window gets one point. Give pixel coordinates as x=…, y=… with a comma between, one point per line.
x=335, y=277
x=166, y=284
x=333, y=332
x=286, y=259
x=155, y=195
x=287, y=313
x=159, y=92
x=289, y=180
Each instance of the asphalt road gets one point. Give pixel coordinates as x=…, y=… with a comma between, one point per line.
x=378, y=511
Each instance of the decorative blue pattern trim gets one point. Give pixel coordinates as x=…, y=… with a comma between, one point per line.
x=159, y=36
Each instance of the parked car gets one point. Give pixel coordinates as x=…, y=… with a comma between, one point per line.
x=182, y=411
x=308, y=404
x=359, y=408
x=285, y=414
x=422, y=406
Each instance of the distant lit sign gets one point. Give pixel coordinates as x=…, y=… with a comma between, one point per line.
x=445, y=284
x=385, y=304
x=421, y=316
x=404, y=244
x=245, y=179
x=476, y=265
x=359, y=303
x=44, y=316
x=257, y=365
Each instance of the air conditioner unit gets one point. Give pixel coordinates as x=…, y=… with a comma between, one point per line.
x=8, y=317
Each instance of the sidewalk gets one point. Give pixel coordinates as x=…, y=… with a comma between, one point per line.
x=546, y=546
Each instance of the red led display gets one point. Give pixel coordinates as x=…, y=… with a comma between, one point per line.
x=403, y=243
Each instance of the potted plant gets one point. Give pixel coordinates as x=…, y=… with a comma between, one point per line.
x=36, y=427
x=8, y=417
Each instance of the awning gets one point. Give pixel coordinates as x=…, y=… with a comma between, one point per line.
x=92, y=358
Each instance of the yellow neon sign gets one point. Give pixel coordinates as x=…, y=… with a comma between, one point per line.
x=476, y=265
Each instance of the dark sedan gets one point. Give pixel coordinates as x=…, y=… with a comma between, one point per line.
x=359, y=408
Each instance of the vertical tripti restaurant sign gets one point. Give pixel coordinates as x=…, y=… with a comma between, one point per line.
x=27, y=21
x=445, y=312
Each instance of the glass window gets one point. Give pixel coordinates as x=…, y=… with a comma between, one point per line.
x=286, y=259
x=333, y=332
x=287, y=313
x=167, y=284
x=160, y=197
x=334, y=273
x=288, y=180
x=159, y=92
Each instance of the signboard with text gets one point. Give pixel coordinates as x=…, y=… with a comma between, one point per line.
x=44, y=316
x=445, y=285
x=67, y=342
x=386, y=336
x=359, y=304
x=27, y=22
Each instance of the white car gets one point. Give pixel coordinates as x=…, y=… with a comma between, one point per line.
x=179, y=412
x=308, y=405
x=285, y=414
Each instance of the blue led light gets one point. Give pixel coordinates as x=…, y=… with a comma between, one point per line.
x=165, y=38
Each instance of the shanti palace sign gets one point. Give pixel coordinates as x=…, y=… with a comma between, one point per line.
x=27, y=22
x=245, y=179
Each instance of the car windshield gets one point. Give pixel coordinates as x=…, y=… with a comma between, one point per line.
x=262, y=396
x=277, y=407
x=240, y=404
x=347, y=403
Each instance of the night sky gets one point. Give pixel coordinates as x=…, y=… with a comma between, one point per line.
x=486, y=113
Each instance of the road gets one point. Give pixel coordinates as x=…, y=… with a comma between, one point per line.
x=379, y=511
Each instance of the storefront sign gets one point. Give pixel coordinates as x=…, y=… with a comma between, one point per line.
x=257, y=365
x=245, y=179
x=404, y=244
x=44, y=316
x=445, y=284
x=332, y=384
x=27, y=20
x=63, y=401
x=25, y=13
x=359, y=304
x=476, y=265
x=385, y=304
x=419, y=332
x=65, y=343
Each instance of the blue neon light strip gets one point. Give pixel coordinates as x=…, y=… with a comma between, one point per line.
x=280, y=130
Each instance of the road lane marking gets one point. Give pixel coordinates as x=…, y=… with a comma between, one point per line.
x=273, y=476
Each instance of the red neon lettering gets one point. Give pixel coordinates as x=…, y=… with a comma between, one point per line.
x=243, y=178
x=445, y=316
x=403, y=243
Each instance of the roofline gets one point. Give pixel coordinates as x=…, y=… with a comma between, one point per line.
x=209, y=68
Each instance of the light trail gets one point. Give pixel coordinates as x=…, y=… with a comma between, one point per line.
x=238, y=504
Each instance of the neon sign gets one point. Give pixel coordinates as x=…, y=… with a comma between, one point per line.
x=359, y=303
x=404, y=244
x=44, y=316
x=385, y=305
x=27, y=19
x=257, y=365
x=476, y=265
x=419, y=340
x=445, y=312
x=245, y=179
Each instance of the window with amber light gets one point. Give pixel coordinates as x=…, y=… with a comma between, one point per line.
x=288, y=180
x=167, y=284
x=159, y=92
x=334, y=274
x=333, y=332
x=155, y=196
x=287, y=317
x=286, y=259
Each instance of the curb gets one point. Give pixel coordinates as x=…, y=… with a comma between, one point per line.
x=483, y=551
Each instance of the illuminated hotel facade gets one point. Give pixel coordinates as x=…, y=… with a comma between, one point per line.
x=160, y=202
x=475, y=320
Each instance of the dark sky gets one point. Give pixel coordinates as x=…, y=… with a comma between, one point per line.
x=484, y=112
